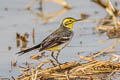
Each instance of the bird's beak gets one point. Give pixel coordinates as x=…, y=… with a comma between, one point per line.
x=78, y=19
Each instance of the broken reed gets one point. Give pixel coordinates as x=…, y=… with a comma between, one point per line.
x=93, y=69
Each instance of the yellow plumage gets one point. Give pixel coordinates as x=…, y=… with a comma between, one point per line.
x=55, y=48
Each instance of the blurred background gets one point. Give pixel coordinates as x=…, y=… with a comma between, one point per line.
x=15, y=18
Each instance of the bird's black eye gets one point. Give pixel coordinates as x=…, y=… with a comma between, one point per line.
x=70, y=20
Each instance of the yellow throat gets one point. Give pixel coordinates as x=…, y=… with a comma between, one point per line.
x=70, y=26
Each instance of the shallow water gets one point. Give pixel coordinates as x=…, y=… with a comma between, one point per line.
x=17, y=19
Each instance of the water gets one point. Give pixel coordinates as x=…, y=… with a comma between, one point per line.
x=17, y=19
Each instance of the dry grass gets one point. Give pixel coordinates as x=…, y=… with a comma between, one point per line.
x=92, y=69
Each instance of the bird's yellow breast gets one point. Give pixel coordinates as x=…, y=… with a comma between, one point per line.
x=58, y=47
x=55, y=48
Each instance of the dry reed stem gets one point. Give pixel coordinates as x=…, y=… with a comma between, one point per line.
x=113, y=72
x=87, y=58
x=33, y=36
x=43, y=63
x=67, y=76
x=103, y=27
x=111, y=10
x=105, y=50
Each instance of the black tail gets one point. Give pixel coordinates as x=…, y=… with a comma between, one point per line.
x=27, y=50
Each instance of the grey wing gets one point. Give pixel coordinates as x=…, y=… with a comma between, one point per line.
x=54, y=40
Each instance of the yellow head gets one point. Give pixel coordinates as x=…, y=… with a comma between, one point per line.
x=68, y=22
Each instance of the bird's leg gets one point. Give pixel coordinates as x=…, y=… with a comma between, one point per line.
x=57, y=59
x=57, y=56
x=52, y=54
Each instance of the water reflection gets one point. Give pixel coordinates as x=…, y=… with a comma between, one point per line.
x=47, y=16
x=21, y=40
x=60, y=2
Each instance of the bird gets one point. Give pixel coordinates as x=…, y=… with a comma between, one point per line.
x=57, y=40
